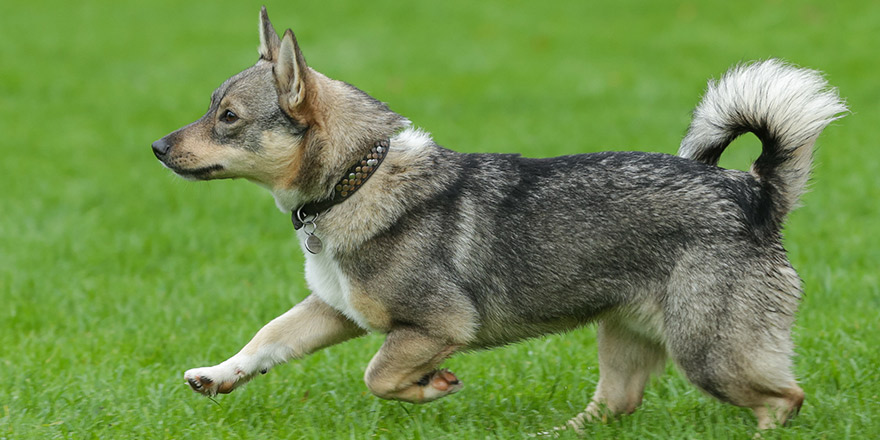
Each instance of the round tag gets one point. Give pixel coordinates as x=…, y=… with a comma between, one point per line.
x=314, y=244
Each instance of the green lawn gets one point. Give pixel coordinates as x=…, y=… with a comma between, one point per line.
x=115, y=276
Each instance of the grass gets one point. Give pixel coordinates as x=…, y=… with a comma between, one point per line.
x=115, y=276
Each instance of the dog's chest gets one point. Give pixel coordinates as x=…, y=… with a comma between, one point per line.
x=326, y=279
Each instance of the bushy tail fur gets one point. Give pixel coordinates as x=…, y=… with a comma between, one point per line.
x=784, y=106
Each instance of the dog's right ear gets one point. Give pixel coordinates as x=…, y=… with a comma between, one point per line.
x=269, y=41
x=291, y=74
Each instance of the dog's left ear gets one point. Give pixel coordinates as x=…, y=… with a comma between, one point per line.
x=269, y=41
x=291, y=73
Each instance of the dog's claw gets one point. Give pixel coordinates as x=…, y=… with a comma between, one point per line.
x=199, y=383
x=424, y=380
x=195, y=385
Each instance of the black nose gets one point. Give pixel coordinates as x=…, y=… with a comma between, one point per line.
x=161, y=147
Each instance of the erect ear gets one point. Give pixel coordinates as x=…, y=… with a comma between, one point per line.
x=291, y=73
x=269, y=41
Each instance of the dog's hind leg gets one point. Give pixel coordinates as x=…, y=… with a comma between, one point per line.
x=626, y=361
x=733, y=340
x=759, y=378
x=304, y=329
x=405, y=367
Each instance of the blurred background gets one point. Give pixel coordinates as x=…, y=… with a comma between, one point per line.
x=116, y=276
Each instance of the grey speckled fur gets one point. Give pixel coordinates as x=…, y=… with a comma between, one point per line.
x=443, y=252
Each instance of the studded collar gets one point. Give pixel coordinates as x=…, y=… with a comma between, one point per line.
x=352, y=180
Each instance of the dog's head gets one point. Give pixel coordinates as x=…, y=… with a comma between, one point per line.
x=281, y=124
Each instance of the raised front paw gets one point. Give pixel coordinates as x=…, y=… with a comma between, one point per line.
x=217, y=379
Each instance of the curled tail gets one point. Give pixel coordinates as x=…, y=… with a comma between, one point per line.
x=784, y=106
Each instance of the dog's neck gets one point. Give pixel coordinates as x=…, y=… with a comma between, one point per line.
x=403, y=177
x=352, y=180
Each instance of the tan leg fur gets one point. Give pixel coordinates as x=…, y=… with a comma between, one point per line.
x=304, y=329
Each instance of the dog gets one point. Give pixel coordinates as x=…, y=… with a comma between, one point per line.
x=444, y=252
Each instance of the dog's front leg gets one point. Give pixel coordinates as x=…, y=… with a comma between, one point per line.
x=405, y=367
x=309, y=326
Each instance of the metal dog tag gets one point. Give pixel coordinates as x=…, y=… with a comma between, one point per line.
x=314, y=244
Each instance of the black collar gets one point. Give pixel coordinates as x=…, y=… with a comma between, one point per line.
x=351, y=181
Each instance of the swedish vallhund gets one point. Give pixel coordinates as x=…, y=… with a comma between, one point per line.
x=445, y=252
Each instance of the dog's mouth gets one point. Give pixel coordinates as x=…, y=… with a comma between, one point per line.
x=203, y=173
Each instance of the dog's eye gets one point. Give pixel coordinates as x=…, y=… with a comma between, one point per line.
x=229, y=116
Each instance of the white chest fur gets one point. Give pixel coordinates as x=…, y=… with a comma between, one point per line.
x=327, y=280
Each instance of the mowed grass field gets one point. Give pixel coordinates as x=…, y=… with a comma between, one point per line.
x=115, y=276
